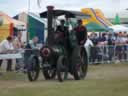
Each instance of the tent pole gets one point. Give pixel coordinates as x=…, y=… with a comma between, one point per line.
x=28, y=21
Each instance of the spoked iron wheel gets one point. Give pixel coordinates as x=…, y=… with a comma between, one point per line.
x=75, y=62
x=62, y=69
x=33, y=69
x=79, y=63
x=83, y=63
x=48, y=71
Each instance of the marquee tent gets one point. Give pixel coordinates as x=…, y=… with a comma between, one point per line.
x=8, y=24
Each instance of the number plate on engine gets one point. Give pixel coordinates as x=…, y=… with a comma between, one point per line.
x=46, y=65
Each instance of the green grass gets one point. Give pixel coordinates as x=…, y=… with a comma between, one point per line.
x=102, y=80
x=12, y=76
x=81, y=88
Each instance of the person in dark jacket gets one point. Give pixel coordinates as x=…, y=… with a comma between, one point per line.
x=110, y=47
x=62, y=35
x=81, y=33
x=62, y=32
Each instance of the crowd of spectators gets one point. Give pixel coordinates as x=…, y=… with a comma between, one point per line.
x=108, y=46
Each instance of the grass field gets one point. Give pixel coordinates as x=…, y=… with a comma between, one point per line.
x=102, y=80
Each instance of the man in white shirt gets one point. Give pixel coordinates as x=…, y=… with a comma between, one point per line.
x=6, y=46
x=88, y=45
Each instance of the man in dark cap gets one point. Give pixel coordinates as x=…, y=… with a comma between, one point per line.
x=81, y=33
x=62, y=33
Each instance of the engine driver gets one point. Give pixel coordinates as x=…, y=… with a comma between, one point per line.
x=62, y=33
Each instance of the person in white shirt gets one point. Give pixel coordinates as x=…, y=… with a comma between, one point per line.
x=88, y=45
x=6, y=46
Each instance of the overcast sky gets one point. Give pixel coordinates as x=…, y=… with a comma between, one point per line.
x=109, y=7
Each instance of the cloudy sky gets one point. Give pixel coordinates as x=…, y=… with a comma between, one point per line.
x=109, y=7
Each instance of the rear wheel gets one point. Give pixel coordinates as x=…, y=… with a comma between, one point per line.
x=33, y=69
x=75, y=63
x=84, y=63
x=79, y=63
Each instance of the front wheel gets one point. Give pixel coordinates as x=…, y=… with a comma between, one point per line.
x=33, y=68
x=62, y=68
x=48, y=70
x=49, y=74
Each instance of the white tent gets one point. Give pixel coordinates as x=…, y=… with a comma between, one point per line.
x=119, y=28
x=19, y=25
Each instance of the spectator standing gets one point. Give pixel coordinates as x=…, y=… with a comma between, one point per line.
x=18, y=45
x=125, y=49
x=30, y=47
x=88, y=46
x=110, y=47
x=94, y=52
x=119, y=47
x=6, y=46
x=33, y=43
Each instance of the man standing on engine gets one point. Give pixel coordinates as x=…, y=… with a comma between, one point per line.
x=81, y=33
x=62, y=33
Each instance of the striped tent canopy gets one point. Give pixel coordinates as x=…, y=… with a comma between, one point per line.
x=92, y=26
